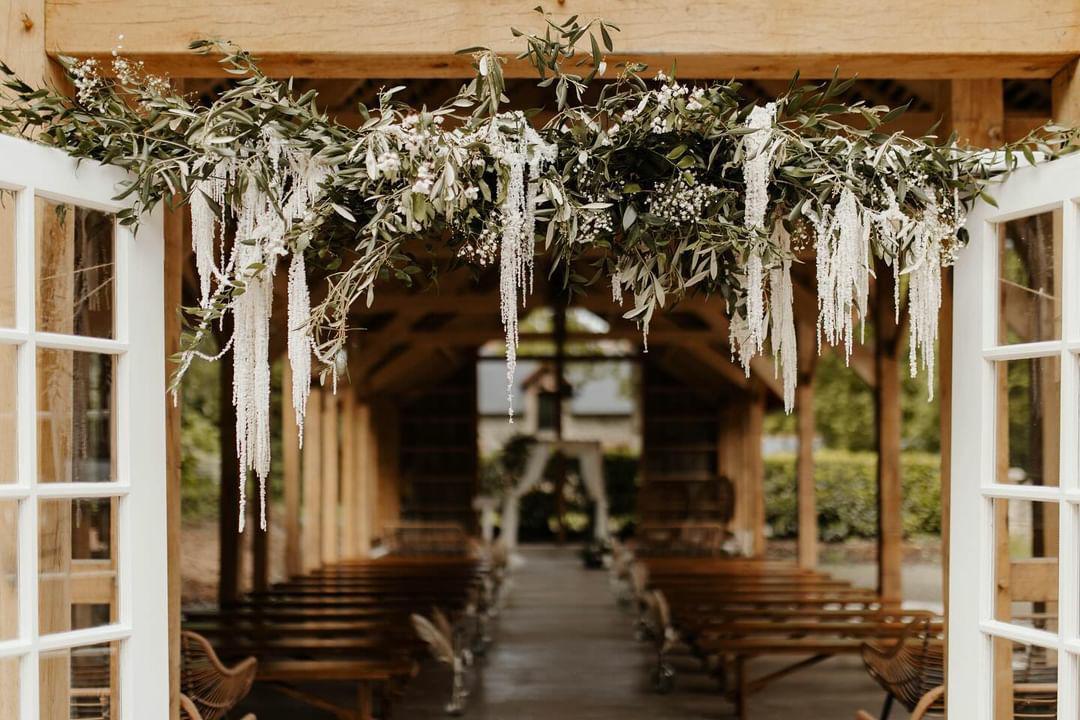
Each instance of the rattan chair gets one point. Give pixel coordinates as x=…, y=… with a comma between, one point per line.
x=911, y=672
x=210, y=688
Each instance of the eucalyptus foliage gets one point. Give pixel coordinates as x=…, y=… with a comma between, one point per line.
x=661, y=189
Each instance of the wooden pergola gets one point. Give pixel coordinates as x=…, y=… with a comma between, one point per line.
x=954, y=56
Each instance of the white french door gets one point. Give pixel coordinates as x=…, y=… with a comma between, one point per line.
x=1014, y=614
x=83, y=601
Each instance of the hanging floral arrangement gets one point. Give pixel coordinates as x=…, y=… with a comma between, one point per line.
x=669, y=189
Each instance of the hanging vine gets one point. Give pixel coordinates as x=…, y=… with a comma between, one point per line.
x=668, y=188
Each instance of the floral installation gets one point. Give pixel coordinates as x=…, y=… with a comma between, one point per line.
x=664, y=188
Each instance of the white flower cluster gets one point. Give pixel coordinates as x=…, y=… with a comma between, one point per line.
x=593, y=225
x=680, y=202
x=482, y=250
x=86, y=75
x=88, y=83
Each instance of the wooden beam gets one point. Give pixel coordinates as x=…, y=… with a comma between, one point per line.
x=290, y=468
x=806, y=335
x=915, y=39
x=312, y=482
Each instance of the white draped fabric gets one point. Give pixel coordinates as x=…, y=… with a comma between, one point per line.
x=590, y=458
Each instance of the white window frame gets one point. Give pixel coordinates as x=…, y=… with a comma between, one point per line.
x=33, y=170
x=972, y=625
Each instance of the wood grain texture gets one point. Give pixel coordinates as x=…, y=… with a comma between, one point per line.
x=771, y=38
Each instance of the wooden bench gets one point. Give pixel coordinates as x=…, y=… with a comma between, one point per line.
x=348, y=622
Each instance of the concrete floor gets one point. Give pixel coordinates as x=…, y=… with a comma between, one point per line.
x=564, y=651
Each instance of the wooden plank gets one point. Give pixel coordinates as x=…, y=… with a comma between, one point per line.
x=290, y=468
x=806, y=335
x=331, y=438
x=312, y=482
x=773, y=38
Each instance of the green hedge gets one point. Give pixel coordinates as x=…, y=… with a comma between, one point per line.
x=847, y=494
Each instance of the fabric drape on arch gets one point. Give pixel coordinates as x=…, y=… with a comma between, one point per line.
x=591, y=460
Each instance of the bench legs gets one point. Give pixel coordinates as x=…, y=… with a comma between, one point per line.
x=364, y=703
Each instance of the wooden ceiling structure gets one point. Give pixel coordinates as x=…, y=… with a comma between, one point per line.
x=988, y=69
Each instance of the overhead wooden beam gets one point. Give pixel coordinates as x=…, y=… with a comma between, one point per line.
x=771, y=38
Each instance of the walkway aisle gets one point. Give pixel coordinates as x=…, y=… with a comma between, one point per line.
x=564, y=651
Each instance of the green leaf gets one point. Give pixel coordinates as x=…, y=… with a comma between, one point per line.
x=629, y=216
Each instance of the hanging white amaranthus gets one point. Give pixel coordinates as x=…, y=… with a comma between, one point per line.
x=843, y=269
x=782, y=315
x=517, y=147
x=924, y=282
x=262, y=224
x=260, y=241
x=757, y=169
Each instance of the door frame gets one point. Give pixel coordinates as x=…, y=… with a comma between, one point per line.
x=972, y=624
x=141, y=630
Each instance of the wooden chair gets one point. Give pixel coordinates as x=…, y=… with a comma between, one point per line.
x=210, y=688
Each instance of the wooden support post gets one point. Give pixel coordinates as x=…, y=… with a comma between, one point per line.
x=366, y=490
x=806, y=330
x=887, y=420
x=1065, y=94
x=229, y=497
x=975, y=110
x=350, y=501
x=174, y=281
x=290, y=468
x=386, y=436
x=260, y=543
x=312, y=482
x=330, y=487
x=755, y=467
